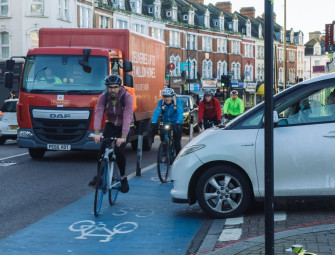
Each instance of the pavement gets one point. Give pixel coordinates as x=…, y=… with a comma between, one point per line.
x=316, y=238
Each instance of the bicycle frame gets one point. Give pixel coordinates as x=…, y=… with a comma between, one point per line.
x=108, y=151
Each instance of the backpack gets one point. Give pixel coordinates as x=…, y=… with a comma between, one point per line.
x=174, y=107
x=129, y=90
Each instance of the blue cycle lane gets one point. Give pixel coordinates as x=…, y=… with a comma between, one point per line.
x=143, y=221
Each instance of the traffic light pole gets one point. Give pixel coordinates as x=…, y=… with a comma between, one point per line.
x=268, y=131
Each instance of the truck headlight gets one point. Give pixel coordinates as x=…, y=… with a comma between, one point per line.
x=25, y=134
x=188, y=150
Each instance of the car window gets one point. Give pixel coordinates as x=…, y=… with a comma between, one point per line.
x=9, y=106
x=252, y=121
x=315, y=107
x=184, y=102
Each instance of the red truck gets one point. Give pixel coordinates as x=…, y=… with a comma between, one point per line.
x=63, y=78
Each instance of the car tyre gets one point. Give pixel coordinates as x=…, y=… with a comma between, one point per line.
x=223, y=192
x=2, y=140
x=36, y=153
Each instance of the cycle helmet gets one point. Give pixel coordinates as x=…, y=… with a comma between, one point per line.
x=233, y=92
x=208, y=92
x=168, y=92
x=113, y=79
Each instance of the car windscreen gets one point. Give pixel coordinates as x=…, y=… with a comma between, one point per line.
x=9, y=106
x=185, y=102
x=62, y=74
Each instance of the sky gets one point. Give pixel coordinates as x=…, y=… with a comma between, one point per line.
x=305, y=15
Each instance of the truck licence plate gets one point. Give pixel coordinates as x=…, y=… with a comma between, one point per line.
x=59, y=147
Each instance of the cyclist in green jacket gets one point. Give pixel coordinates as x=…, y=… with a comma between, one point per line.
x=233, y=106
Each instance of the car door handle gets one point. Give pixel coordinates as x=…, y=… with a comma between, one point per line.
x=250, y=144
x=329, y=134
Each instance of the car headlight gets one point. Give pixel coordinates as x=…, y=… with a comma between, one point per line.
x=190, y=149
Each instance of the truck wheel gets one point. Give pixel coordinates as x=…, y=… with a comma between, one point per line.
x=134, y=145
x=2, y=140
x=36, y=153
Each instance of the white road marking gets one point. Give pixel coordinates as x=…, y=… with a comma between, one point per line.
x=7, y=163
x=18, y=155
x=234, y=221
x=230, y=234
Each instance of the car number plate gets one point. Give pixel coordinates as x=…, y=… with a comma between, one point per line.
x=59, y=147
x=13, y=127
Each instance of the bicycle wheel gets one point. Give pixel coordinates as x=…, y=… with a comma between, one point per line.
x=172, y=151
x=100, y=187
x=114, y=191
x=163, y=162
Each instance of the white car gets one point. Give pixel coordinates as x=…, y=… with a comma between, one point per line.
x=223, y=168
x=8, y=121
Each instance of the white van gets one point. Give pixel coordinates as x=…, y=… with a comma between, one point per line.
x=8, y=121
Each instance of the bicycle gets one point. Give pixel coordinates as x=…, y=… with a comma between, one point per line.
x=166, y=153
x=208, y=124
x=107, y=179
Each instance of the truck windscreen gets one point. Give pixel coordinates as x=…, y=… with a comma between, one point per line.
x=61, y=74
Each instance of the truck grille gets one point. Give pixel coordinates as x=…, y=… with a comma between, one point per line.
x=61, y=130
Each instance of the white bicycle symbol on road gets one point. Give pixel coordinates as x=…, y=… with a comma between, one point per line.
x=89, y=228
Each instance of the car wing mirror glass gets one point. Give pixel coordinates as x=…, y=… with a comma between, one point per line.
x=275, y=117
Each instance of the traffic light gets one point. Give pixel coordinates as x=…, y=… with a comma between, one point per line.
x=224, y=81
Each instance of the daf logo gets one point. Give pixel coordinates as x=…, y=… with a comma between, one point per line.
x=60, y=116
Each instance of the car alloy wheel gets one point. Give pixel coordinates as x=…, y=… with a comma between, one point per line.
x=223, y=191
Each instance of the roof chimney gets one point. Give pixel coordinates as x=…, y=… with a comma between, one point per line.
x=248, y=11
x=197, y=1
x=224, y=6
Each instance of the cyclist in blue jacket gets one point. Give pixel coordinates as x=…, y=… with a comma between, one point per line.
x=172, y=111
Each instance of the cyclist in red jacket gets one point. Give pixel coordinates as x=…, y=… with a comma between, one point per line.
x=209, y=110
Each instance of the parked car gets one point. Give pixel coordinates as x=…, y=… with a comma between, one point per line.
x=190, y=112
x=223, y=169
x=8, y=121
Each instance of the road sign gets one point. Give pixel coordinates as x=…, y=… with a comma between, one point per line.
x=185, y=66
x=171, y=66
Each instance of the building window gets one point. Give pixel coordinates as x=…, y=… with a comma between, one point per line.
x=121, y=24
x=85, y=17
x=248, y=50
x=235, y=47
x=36, y=7
x=176, y=62
x=3, y=8
x=174, y=39
x=221, y=69
x=248, y=73
x=63, y=9
x=104, y=22
x=236, y=68
x=139, y=28
x=206, y=43
x=151, y=10
x=4, y=45
x=221, y=45
x=207, y=69
x=191, y=39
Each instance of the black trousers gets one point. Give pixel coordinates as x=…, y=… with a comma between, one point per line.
x=113, y=131
x=177, y=133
